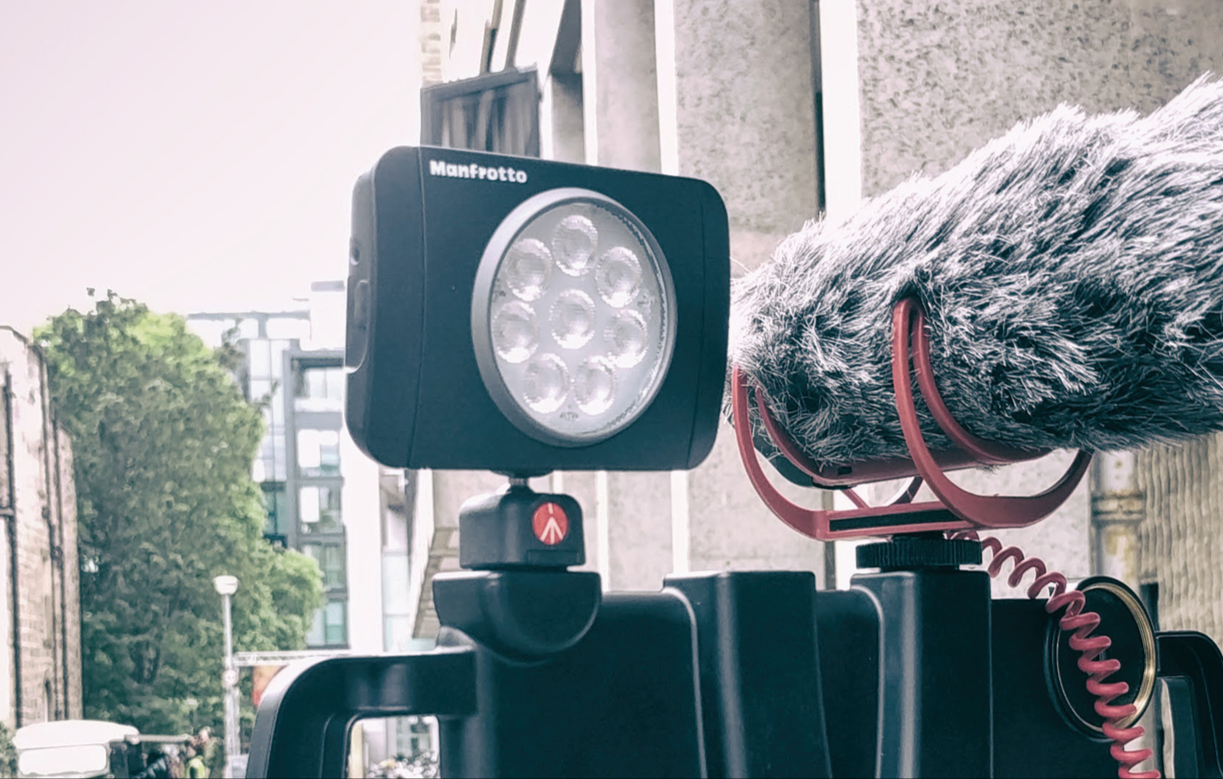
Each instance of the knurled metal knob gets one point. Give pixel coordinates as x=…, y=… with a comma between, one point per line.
x=904, y=552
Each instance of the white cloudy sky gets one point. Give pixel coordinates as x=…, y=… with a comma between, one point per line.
x=195, y=154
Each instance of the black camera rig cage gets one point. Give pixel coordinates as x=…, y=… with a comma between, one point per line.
x=914, y=671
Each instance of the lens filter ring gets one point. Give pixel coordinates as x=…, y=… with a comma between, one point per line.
x=1124, y=619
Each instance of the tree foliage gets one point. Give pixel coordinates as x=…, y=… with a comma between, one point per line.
x=8, y=753
x=163, y=442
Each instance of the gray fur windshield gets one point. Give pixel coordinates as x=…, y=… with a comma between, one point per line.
x=1072, y=271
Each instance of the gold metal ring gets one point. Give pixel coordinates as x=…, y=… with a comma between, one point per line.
x=1146, y=632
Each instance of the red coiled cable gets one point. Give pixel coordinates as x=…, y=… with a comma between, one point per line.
x=1080, y=624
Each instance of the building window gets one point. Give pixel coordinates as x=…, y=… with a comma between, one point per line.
x=498, y=112
x=318, y=509
x=278, y=349
x=336, y=628
x=330, y=626
x=318, y=452
x=261, y=358
x=280, y=458
x=319, y=389
x=330, y=559
x=275, y=501
x=271, y=465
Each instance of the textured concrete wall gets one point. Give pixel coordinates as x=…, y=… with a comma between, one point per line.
x=584, y=487
x=620, y=84
x=937, y=80
x=746, y=114
x=731, y=529
x=638, y=516
x=1181, y=540
x=564, y=97
x=744, y=120
x=620, y=106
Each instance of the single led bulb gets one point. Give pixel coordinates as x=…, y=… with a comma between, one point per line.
x=513, y=332
x=527, y=267
x=618, y=276
x=573, y=244
x=573, y=319
x=626, y=338
x=545, y=383
x=594, y=385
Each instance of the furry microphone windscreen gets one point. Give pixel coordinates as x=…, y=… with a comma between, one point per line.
x=1072, y=273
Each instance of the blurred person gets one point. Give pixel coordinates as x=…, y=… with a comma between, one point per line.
x=196, y=767
x=157, y=766
x=202, y=738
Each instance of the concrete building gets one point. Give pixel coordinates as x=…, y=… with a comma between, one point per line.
x=40, y=612
x=793, y=109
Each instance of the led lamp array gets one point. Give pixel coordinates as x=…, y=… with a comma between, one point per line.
x=577, y=317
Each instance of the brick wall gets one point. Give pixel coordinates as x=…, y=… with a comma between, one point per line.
x=72, y=578
x=39, y=492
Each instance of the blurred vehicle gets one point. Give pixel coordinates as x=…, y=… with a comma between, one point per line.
x=84, y=749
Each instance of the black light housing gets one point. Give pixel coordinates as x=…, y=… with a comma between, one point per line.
x=440, y=345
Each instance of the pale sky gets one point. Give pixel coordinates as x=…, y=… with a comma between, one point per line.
x=194, y=155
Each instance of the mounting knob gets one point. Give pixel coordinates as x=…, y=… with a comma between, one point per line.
x=919, y=551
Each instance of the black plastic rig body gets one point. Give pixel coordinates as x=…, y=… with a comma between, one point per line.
x=914, y=671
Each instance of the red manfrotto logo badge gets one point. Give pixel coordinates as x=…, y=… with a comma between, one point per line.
x=550, y=524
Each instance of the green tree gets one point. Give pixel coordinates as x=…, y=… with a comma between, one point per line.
x=8, y=753
x=163, y=443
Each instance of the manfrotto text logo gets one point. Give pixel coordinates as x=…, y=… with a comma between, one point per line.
x=473, y=171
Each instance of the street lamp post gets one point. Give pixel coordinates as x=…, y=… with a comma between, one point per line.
x=226, y=586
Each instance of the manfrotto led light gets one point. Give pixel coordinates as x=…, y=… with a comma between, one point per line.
x=572, y=317
x=523, y=316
